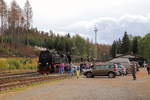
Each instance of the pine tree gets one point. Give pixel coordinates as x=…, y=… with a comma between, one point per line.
x=135, y=46
x=68, y=35
x=119, y=46
x=125, y=44
x=113, y=49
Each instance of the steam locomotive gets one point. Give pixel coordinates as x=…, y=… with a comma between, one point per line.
x=49, y=61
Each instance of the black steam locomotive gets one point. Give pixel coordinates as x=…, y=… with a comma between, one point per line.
x=49, y=61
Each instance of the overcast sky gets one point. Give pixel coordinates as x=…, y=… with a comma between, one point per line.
x=112, y=17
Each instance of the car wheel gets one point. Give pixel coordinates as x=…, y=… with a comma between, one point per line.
x=89, y=75
x=111, y=75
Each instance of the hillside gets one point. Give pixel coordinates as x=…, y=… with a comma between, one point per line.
x=17, y=50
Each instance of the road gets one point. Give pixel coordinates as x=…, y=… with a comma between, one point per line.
x=98, y=88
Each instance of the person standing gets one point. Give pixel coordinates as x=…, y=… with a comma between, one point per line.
x=133, y=71
x=72, y=69
x=62, y=66
x=81, y=67
x=148, y=70
x=78, y=71
x=124, y=70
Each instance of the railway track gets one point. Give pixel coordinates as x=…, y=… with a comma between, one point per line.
x=18, y=76
x=21, y=80
x=7, y=74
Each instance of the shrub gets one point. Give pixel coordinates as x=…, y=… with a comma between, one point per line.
x=17, y=63
x=14, y=63
x=3, y=64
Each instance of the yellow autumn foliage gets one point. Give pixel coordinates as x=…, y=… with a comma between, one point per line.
x=18, y=63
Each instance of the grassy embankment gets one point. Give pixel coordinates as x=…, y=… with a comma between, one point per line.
x=18, y=64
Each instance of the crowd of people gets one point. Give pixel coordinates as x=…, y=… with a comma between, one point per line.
x=77, y=69
x=74, y=69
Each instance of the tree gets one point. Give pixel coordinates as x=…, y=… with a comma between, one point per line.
x=3, y=14
x=118, y=46
x=14, y=20
x=135, y=45
x=68, y=35
x=80, y=44
x=113, y=49
x=144, y=46
x=28, y=18
x=125, y=44
x=28, y=14
x=14, y=15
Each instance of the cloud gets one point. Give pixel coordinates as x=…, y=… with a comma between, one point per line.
x=111, y=28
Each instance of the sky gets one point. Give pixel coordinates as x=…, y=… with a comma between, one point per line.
x=111, y=17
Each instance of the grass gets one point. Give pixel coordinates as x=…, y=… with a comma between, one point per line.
x=9, y=64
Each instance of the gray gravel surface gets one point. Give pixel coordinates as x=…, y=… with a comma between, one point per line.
x=99, y=88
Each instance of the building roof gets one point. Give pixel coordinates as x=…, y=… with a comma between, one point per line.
x=122, y=60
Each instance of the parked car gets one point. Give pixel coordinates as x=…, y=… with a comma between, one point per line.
x=102, y=70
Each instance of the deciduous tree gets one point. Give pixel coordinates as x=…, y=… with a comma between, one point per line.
x=28, y=14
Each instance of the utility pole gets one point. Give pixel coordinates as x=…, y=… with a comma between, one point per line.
x=96, y=30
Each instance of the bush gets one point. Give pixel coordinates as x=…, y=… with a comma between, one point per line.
x=17, y=63
x=14, y=63
x=3, y=64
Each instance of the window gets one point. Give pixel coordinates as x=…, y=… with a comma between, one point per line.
x=102, y=67
x=106, y=66
x=111, y=66
x=98, y=67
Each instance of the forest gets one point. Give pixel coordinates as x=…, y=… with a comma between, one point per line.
x=135, y=45
x=19, y=38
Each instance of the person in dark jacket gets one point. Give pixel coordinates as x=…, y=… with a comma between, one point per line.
x=133, y=71
x=81, y=67
x=148, y=70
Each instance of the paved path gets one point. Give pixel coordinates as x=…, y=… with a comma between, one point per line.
x=99, y=88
